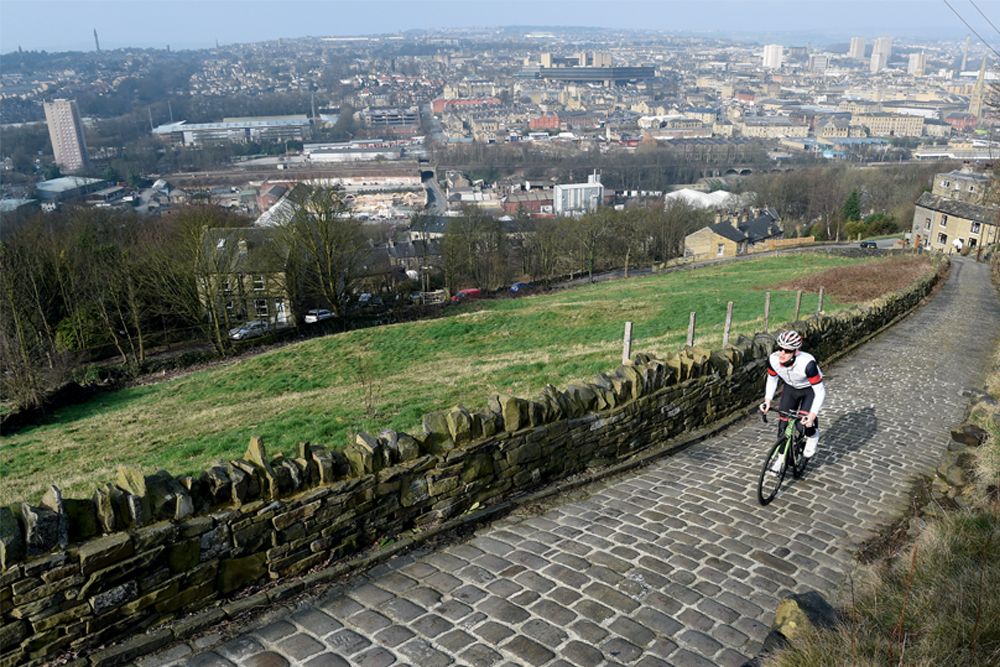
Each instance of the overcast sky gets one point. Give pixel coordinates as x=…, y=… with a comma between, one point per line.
x=56, y=25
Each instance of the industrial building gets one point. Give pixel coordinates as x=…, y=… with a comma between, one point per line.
x=259, y=129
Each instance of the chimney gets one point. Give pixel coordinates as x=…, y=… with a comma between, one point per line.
x=718, y=217
x=527, y=186
x=243, y=246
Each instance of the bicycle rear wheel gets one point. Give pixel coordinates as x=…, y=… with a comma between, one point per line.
x=770, y=481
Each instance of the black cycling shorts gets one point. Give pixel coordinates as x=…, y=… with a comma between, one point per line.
x=797, y=399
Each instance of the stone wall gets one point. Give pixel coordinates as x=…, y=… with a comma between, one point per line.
x=155, y=558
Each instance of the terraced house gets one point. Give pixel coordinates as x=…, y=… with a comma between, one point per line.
x=957, y=213
x=244, y=276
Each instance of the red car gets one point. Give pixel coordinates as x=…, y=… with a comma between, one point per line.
x=466, y=294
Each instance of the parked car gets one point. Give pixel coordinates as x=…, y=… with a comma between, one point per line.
x=466, y=294
x=520, y=288
x=250, y=329
x=869, y=244
x=317, y=315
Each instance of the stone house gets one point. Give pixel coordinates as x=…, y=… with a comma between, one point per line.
x=956, y=211
x=244, y=275
x=732, y=237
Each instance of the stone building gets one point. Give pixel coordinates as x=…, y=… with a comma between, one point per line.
x=956, y=214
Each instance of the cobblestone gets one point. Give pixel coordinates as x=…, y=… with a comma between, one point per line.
x=676, y=564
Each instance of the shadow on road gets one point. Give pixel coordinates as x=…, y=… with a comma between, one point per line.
x=846, y=435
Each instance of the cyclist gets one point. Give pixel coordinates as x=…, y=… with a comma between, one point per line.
x=804, y=388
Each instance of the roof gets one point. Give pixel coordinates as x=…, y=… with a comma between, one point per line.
x=416, y=249
x=531, y=195
x=701, y=199
x=764, y=226
x=66, y=183
x=262, y=250
x=11, y=205
x=727, y=231
x=985, y=214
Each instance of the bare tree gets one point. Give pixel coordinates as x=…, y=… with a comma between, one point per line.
x=328, y=249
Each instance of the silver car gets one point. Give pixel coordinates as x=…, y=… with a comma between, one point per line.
x=250, y=329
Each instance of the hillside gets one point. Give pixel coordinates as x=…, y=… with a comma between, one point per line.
x=322, y=389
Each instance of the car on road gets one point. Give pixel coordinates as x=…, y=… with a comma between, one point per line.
x=520, y=288
x=869, y=244
x=249, y=329
x=317, y=315
x=466, y=294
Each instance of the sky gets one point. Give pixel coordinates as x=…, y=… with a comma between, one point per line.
x=58, y=25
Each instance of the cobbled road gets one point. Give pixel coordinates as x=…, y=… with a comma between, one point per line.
x=676, y=564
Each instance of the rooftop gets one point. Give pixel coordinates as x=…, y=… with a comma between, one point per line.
x=65, y=183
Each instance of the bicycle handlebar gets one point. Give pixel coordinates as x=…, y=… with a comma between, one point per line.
x=787, y=414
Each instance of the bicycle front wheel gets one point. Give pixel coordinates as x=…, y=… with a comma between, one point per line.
x=772, y=473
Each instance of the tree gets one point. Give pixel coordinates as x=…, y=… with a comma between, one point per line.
x=590, y=234
x=476, y=250
x=328, y=250
x=852, y=207
x=182, y=274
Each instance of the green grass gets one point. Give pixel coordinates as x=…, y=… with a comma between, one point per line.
x=314, y=390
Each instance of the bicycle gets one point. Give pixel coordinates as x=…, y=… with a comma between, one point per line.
x=788, y=450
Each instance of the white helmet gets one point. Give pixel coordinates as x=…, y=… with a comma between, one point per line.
x=789, y=340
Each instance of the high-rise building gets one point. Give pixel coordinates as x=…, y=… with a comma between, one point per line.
x=857, y=50
x=772, y=56
x=66, y=134
x=881, y=52
x=916, y=65
x=818, y=62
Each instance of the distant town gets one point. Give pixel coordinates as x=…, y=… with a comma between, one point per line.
x=149, y=130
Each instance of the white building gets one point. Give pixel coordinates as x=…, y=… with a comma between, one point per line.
x=881, y=53
x=916, y=65
x=772, y=56
x=857, y=50
x=66, y=134
x=578, y=198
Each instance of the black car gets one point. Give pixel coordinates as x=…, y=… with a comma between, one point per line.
x=869, y=244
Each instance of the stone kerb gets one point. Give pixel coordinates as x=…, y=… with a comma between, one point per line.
x=149, y=549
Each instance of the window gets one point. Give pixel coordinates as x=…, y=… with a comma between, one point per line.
x=944, y=220
x=260, y=306
x=945, y=183
x=942, y=238
x=227, y=287
x=258, y=281
x=972, y=243
x=721, y=250
x=975, y=228
x=927, y=223
x=972, y=188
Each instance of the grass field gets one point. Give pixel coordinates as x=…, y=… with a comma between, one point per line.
x=323, y=389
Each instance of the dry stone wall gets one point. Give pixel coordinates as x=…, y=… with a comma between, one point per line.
x=154, y=558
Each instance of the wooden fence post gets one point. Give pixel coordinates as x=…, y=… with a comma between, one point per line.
x=691, y=322
x=767, y=310
x=798, y=305
x=729, y=324
x=627, y=345
x=819, y=306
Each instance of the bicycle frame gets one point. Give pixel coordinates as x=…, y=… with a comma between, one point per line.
x=781, y=456
x=794, y=420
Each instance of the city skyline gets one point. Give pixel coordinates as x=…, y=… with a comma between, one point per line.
x=182, y=24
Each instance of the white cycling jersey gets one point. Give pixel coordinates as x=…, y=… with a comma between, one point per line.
x=803, y=372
